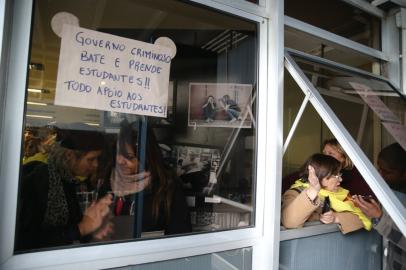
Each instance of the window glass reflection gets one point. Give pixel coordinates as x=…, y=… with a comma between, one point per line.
x=133, y=170
x=372, y=111
x=359, y=26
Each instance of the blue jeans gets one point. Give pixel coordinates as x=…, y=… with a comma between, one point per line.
x=232, y=113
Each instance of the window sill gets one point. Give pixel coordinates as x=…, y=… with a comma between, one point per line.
x=309, y=229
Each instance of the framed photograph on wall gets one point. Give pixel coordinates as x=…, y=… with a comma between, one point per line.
x=220, y=105
x=196, y=166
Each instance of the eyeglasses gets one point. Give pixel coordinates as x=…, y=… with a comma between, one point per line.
x=338, y=176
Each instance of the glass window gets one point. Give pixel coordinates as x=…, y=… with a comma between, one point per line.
x=139, y=123
x=309, y=44
x=372, y=111
x=347, y=21
x=362, y=104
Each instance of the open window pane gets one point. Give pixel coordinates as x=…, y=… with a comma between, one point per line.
x=365, y=115
x=129, y=135
x=348, y=21
x=362, y=103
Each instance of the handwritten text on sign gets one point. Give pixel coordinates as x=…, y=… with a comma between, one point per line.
x=106, y=72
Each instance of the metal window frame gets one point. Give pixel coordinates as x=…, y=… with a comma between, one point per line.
x=130, y=253
x=367, y=7
x=343, y=67
x=334, y=38
x=388, y=199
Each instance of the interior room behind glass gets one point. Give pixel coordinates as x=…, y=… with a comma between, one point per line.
x=216, y=55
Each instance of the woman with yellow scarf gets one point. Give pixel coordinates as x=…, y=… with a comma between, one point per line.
x=304, y=200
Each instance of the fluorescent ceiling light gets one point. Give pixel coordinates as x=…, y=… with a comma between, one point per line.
x=93, y=124
x=36, y=103
x=39, y=116
x=33, y=90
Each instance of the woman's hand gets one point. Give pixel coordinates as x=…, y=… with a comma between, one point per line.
x=314, y=182
x=104, y=231
x=94, y=215
x=329, y=217
x=370, y=209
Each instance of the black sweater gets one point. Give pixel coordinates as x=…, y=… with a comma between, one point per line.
x=31, y=231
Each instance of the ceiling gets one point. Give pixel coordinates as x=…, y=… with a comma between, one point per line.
x=191, y=26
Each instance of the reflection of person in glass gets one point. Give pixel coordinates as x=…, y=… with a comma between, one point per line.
x=209, y=109
x=49, y=213
x=230, y=107
x=154, y=192
x=304, y=200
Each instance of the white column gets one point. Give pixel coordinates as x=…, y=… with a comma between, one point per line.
x=401, y=23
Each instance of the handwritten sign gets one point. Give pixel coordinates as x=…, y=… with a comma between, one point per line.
x=106, y=72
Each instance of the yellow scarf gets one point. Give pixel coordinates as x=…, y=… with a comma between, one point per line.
x=42, y=157
x=338, y=202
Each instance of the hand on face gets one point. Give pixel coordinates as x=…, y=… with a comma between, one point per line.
x=313, y=179
x=370, y=209
x=314, y=182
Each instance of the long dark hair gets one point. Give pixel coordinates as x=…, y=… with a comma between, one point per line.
x=323, y=165
x=163, y=180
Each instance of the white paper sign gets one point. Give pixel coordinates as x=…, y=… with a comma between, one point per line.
x=375, y=103
x=106, y=72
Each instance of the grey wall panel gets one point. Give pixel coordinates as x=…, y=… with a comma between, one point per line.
x=238, y=259
x=358, y=250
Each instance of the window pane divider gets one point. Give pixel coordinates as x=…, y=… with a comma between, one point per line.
x=296, y=122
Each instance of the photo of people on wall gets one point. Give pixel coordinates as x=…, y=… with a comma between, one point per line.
x=220, y=105
x=196, y=166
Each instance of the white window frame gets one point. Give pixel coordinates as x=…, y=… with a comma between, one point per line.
x=132, y=253
x=388, y=199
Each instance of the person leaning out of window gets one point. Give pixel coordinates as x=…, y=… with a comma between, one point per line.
x=305, y=199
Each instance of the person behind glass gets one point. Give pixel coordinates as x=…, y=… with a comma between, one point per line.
x=230, y=107
x=40, y=150
x=304, y=200
x=392, y=168
x=32, y=146
x=154, y=191
x=352, y=179
x=49, y=212
x=209, y=109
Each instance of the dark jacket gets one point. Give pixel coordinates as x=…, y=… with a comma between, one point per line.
x=134, y=226
x=32, y=232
